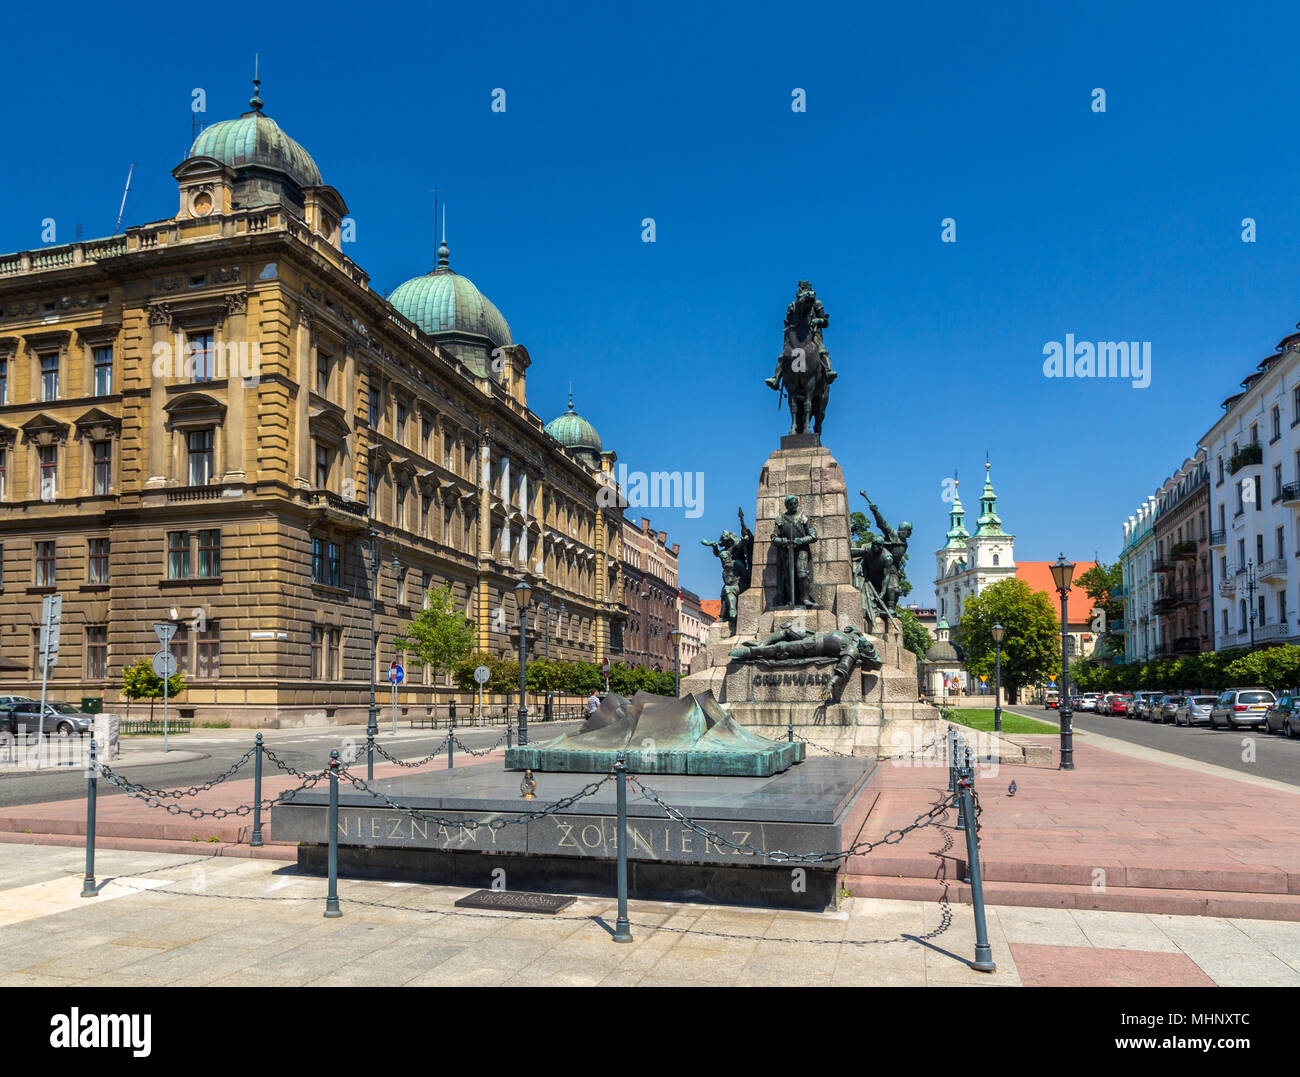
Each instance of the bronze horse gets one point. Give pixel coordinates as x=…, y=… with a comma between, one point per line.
x=805, y=372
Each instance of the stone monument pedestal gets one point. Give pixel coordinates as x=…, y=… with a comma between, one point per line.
x=878, y=712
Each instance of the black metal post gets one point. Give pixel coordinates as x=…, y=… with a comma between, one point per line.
x=523, y=661
x=372, y=726
x=959, y=753
x=332, y=910
x=256, y=840
x=983, y=953
x=1063, y=704
x=622, y=928
x=997, y=691
x=952, y=759
x=451, y=748
x=510, y=734
x=88, y=888
x=370, y=755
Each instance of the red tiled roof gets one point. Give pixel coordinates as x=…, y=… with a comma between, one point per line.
x=1038, y=574
x=712, y=606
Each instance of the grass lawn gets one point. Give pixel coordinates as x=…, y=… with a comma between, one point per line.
x=1011, y=723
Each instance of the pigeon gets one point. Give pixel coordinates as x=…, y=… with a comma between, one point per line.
x=1011, y=789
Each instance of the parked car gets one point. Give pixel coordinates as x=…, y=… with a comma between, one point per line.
x=62, y=719
x=1121, y=704
x=1240, y=707
x=1166, y=708
x=1284, y=715
x=1088, y=701
x=1145, y=705
x=1194, y=710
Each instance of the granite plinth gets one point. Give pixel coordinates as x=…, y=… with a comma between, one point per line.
x=752, y=764
x=816, y=807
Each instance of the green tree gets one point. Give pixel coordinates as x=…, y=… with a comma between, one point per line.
x=1100, y=583
x=1275, y=668
x=440, y=636
x=916, y=638
x=1031, y=644
x=139, y=681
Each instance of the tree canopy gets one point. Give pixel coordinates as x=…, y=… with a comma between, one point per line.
x=440, y=635
x=1031, y=643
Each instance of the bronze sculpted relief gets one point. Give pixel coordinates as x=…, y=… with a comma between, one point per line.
x=877, y=568
x=737, y=557
x=792, y=645
x=793, y=537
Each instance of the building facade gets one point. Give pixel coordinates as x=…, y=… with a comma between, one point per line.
x=209, y=420
x=1253, y=455
x=649, y=590
x=1140, y=626
x=1183, y=605
x=694, y=623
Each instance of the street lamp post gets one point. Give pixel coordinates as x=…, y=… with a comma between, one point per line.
x=399, y=578
x=1062, y=574
x=998, y=633
x=521, y=602
x=371, y=548
x=1250, y=601
x=676, y=636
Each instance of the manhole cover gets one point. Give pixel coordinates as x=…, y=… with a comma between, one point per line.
x=515, y=902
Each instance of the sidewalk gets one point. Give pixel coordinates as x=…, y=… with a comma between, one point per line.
x=1128, y=830
x=166, y=919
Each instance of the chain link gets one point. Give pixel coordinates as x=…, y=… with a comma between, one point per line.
x=482, y=751
x=193, y=791
x=409, y=765
x=473, y=824
x=861, y=848
x=198, y=813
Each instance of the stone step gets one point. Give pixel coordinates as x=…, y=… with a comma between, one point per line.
x=1061, y=896
x=155, y=845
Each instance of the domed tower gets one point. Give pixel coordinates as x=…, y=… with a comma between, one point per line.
x=992, y=550
x=464, y=321
x=250, y=164
x=577, y=435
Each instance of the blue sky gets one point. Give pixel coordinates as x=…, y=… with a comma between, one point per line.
x=1123, y=225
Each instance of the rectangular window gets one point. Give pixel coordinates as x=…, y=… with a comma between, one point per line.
x=335, y=653
x=207, y=646
x=1281, y=541
x=1277, y=422
x=200, y=361
x=178, y=555
x=426, y=433
x=402, y=412
x=317, y=651
x=96, y=652
x=98, y=570
x=1258, y=492
x=103, y=371
x=334, y=565
x=102, y=453
x=373, y=493
x=45, y=564
x=427, y=587
x=322, y=373
x=180, y=649
x=50, y=376
x=199, y=443
x=426, y=503
x=1277, y=482
x=4, y=381
x=318, y=560
x=322, y=467
x=374, y=404
x=1259, y=550
x=4, y=473
x=210, y=553
x=48, y=455
x=401, y=505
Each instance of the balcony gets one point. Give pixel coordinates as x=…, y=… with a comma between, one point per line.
x=1218, y=538
x=348, y=515
x=1119, y=626
x=1272, y=569
x=1291, y=493
x=1120, y=592
x=1189, y=598
x=1187, y=645
x=1167, y=603
x=1227, y=588
x=1271, y=633
x=1184, y=551
x=1245, y=457
x=1165, y=564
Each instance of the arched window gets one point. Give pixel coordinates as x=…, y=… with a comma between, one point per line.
x=995, y=559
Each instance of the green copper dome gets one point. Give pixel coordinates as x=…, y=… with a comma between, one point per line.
x=443, y=302
x=256, y=140
x=574, y=432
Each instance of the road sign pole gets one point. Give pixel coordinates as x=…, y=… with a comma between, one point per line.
x=394, y=707
x=165, y=680
x=40, y=718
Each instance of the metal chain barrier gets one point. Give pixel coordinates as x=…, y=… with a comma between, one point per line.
x=929, y=818
x=409, y=765
x=194, y=790
x=473, y=824
x=152, y=801
x=482, y=751
x=283, y=765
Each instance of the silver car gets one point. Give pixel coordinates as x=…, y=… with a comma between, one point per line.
x=1241, y=707
x=1195, y=710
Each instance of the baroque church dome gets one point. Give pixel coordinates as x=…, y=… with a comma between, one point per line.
x=256, y=141
x=574, y=432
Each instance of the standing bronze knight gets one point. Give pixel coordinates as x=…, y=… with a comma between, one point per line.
x=793, y=536
x=803, y=369
x=737, y=557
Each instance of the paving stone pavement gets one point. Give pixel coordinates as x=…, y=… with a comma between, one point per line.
x=165, y=919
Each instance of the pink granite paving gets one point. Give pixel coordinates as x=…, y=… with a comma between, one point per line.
x=1114, y=826
x=1042, y=965
x=128, y=818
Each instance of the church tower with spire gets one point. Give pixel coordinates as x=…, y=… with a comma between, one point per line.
x=967, y=563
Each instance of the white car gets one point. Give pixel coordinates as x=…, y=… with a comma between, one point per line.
x=1089, y=701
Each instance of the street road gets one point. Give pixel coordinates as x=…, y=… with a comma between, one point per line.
x=1251, y=751
x=217, y=749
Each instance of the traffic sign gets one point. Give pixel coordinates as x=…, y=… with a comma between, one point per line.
x=604, y=667
x=51, y=619
x=164, y=632
x=164, y=664
x=395, y=674
x=984, y=678
x=482, y=674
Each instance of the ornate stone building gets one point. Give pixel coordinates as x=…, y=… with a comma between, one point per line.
x=649, y=596
x=201, y=421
